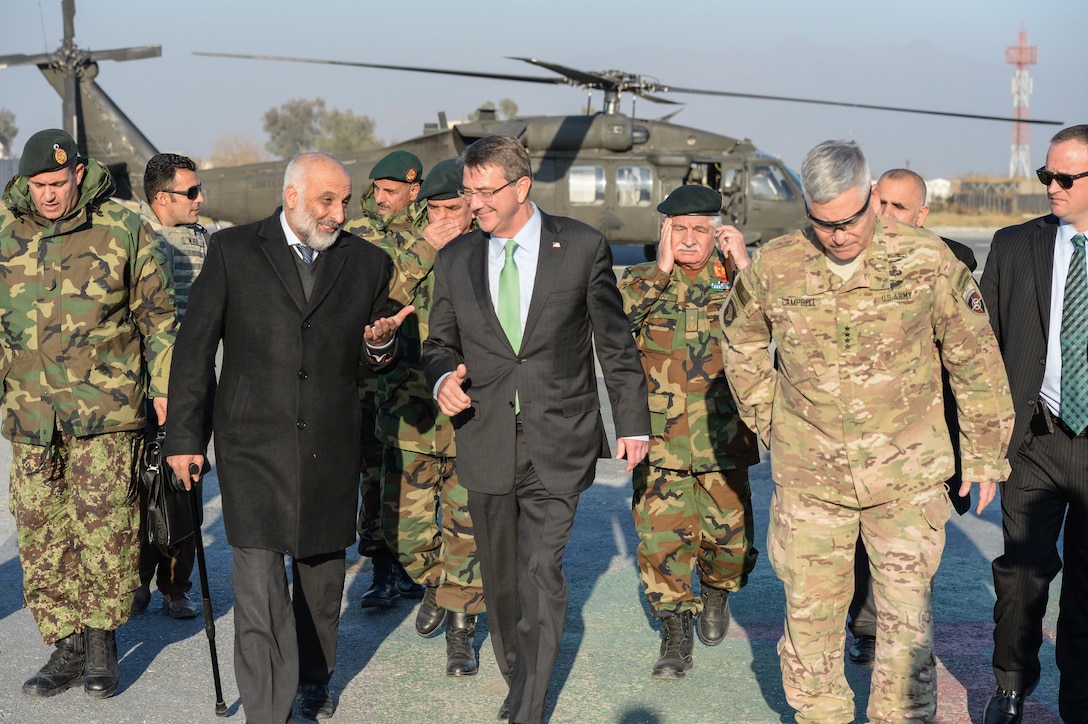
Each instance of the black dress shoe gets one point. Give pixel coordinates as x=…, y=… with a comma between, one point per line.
x=315, y=701
x=863, y=650
x=178, y=605
x=460, y=656
x=100, y=672
x=430, y=616
x=714, y=619
x=140, y=599
x=63, y=670
x=1004, y=707
x=383, y=591
x=504, y=709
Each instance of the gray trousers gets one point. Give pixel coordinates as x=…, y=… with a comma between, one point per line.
x=283, y=640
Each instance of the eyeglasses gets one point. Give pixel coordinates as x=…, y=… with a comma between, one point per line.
x=1064, y=180
x=843, y=225
x=484, y=195
x=190, y=193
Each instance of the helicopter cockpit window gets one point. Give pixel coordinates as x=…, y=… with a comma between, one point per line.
x=769, y=183
x=634, y=185
x=587, y=184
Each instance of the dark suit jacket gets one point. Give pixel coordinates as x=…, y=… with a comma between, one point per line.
x=287, y=418
x=575, y=304
x=1016, y=288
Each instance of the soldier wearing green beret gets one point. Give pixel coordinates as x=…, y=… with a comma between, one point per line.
x=88, y=335
x=691, y=505
x=390, y=208
x=425, y=514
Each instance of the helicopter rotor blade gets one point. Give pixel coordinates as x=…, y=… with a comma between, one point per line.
x=68, y=9
x=138, y=53
x=867, y=106
x=578, y=77
x=382, y=66
x=7, y=61
x=656, y=99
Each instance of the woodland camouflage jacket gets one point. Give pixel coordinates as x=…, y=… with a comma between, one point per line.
x=84, y=302
x=694, y=421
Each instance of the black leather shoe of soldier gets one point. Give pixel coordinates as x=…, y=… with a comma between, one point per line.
x=405, y=585
x=100, y=673
x=315, y=701
x=863, y=650
x=383, y=591
x=140, y=599
x=430, y=616
x=63, y=670
x=714, y=620
x=676, y=644
x=460, y=656
x=178, y=605
x=1004, y=707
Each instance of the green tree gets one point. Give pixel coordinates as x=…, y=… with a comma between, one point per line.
x=343, y=133
x=8, y=130
x=294, y=126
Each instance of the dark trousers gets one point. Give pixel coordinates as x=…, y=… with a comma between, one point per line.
x=173, y=571
x=521, y=537
x=280, y=640
x=1049, y=484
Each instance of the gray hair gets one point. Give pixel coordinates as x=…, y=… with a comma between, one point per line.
x=832, y=168
x=300, y=165
x=505, y=152
x=905, y=174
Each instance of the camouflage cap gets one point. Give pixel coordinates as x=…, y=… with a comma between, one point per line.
x=49, y=150
x=444, y=180
x=692, y=200
x=401, y=166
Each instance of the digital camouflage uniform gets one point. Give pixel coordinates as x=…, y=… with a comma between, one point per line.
x=854, y=420
x=419, y=474
x=692, y=504
x=84, y=302
x=184, y=248
x=373, y=227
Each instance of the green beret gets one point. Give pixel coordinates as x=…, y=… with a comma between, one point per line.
x=444, y=180
x=49, y=150
x=398, y=166
x=692, y=200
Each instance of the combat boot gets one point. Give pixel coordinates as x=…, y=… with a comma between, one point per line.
x=100, y=674
x=405, y=585
x=460, y=656
x=63, y=670
x=430, y=616
x=714, y=620
x=676, y=643
x=383, y=587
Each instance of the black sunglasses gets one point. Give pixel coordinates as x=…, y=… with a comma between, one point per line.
x=1064, y=180
x=190, y=193
x=843, y=225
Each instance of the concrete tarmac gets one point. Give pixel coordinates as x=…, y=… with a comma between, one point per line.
x=387, y=674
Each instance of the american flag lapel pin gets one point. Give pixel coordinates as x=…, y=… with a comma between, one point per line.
x=556, y=245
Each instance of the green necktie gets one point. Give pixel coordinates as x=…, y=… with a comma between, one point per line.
x=1074, y=341
x=510, y=303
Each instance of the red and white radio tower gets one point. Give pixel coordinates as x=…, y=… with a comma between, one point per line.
x=1021, y=55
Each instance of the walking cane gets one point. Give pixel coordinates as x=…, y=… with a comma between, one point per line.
x=209, y=620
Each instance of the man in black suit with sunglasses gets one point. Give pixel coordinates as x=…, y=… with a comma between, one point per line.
x=1036, y=287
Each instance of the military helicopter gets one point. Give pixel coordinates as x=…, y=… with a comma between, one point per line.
x=608, y=169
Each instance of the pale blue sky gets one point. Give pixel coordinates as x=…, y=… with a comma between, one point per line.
x=929, y=54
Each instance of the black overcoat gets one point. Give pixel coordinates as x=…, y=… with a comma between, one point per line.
x=287, y=420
